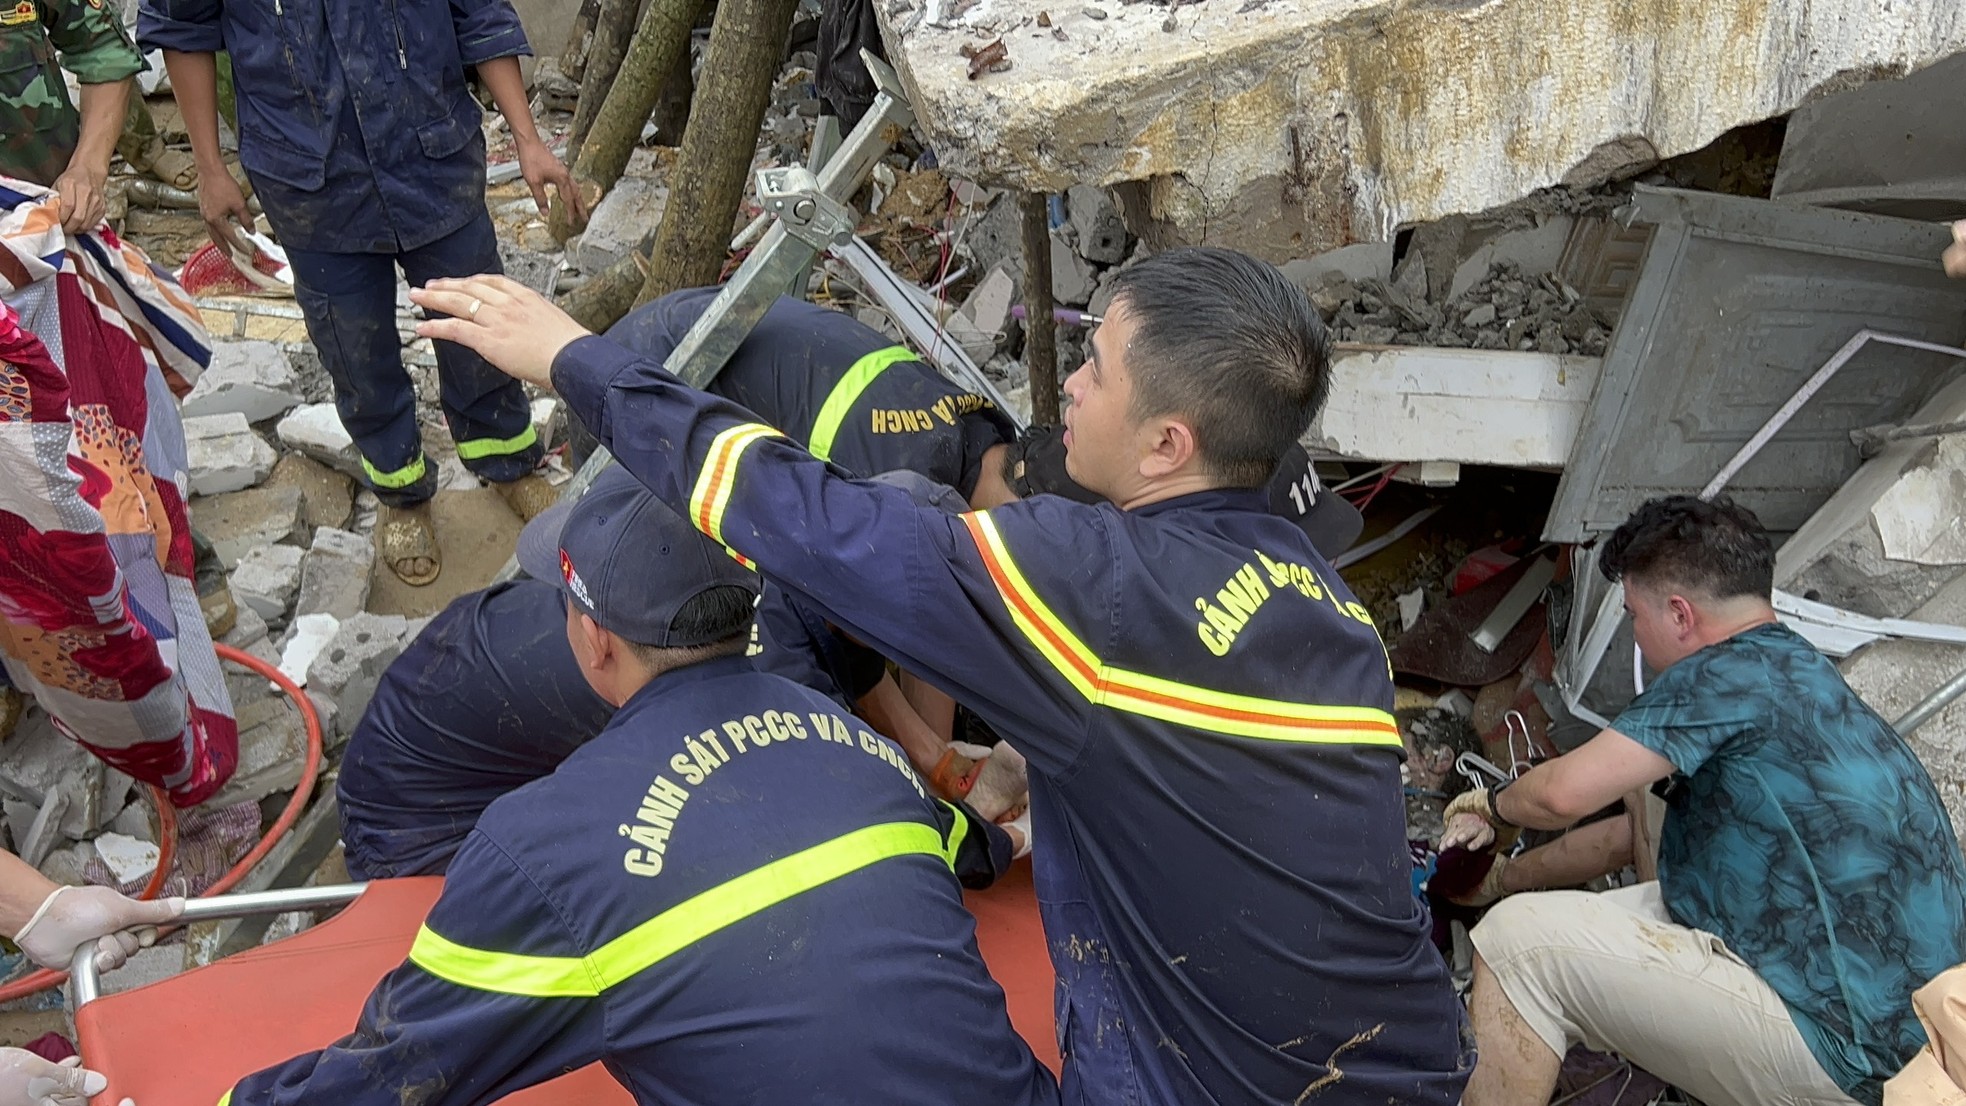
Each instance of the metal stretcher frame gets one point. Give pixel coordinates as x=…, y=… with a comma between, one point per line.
x=1008, y=933
x=188, y=1039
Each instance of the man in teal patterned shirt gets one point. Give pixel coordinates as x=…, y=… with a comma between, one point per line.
x=1809, y=879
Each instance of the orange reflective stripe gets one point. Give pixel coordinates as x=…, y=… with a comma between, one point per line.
x=711, y=493
x=1166, y=700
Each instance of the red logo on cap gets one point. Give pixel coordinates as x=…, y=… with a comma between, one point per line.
x=574, y=583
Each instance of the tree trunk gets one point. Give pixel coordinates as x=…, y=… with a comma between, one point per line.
x=747, y=42
x=573, y=61
x=612, y=29
x=616, y=126
x=1040, y=326
x=672, y=108
x=607, y=295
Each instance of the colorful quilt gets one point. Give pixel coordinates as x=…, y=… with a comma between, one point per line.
x=99, y=615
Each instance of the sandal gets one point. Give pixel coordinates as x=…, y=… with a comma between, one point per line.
x=404, y=536
x=528, y=496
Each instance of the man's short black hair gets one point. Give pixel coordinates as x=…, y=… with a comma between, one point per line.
x=718, y=618
x=1715, y=547
x=1224, y=341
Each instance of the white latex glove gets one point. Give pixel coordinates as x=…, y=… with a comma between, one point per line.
x=28, y=1080
x=73, y=915
x=1021, y=827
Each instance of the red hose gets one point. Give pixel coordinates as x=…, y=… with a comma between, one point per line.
x=167, y=817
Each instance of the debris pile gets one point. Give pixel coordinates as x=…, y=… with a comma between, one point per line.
x=1505, y=310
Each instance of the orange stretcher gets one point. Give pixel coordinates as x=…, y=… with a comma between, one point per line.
x=186, y=1040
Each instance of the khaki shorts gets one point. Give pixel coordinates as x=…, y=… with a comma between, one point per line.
x=1612, y=972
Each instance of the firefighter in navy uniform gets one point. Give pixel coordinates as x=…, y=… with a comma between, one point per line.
x=854, y=398
x=1221, y=853
x=489, y=697
x=733, y=894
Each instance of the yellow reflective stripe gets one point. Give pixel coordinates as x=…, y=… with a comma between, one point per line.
x=956, y=834
x=1178, y=703
x=470, y=449
x=401, y=478
x=711, y=493
x=674, y=929
x=225, y=1099
x=841, y=399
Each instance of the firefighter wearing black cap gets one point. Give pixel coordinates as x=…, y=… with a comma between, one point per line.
x=734, y=893
x=1221, y=856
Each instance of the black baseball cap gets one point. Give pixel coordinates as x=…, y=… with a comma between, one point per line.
x=626, y=560
x=1296, y=493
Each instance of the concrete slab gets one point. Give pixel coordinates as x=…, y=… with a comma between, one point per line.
x=334, y=574
x=224, y=455
x=239, y=522
x=253, y=378
x=266, y=581
x=315, y=429
x=631, y=209
x=1289, y=127
x=327, y=497
x=348, y=669
x=1482, y=407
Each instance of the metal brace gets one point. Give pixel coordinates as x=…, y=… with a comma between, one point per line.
x=796, y=238
x=806, y=213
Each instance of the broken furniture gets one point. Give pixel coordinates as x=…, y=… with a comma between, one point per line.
x=1757, y=336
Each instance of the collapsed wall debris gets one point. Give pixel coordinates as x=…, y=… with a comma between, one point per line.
x=1286, y=128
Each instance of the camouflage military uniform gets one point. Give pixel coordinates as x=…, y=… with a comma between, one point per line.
x=41, y=124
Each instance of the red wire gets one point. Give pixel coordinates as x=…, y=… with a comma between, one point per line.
x=167, y=817
x=1366, y=501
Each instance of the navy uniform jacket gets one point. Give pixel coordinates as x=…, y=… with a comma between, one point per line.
x=487, y=698
x=794, y=642
x=355, y=122
x=1221, y=843
x=735, y=894
x=837, y=386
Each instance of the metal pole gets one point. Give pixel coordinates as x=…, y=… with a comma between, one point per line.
x=1931, y=705
x=85, y=983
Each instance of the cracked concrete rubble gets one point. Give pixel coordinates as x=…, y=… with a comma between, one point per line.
x=1301, y=130
x=293, y=535
x=1295, y=126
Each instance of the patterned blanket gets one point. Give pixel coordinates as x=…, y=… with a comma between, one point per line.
x=99, y=615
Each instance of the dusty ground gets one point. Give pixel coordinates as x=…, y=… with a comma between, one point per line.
x=476, y=531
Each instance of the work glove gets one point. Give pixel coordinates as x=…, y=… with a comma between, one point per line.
x=1002, y=784
x=1470, y=827
x=28, y=1080
x=1022, y=835
x=70, y=916
x=1955, y=255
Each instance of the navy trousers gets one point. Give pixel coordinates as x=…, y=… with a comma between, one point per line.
x=349, y=300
